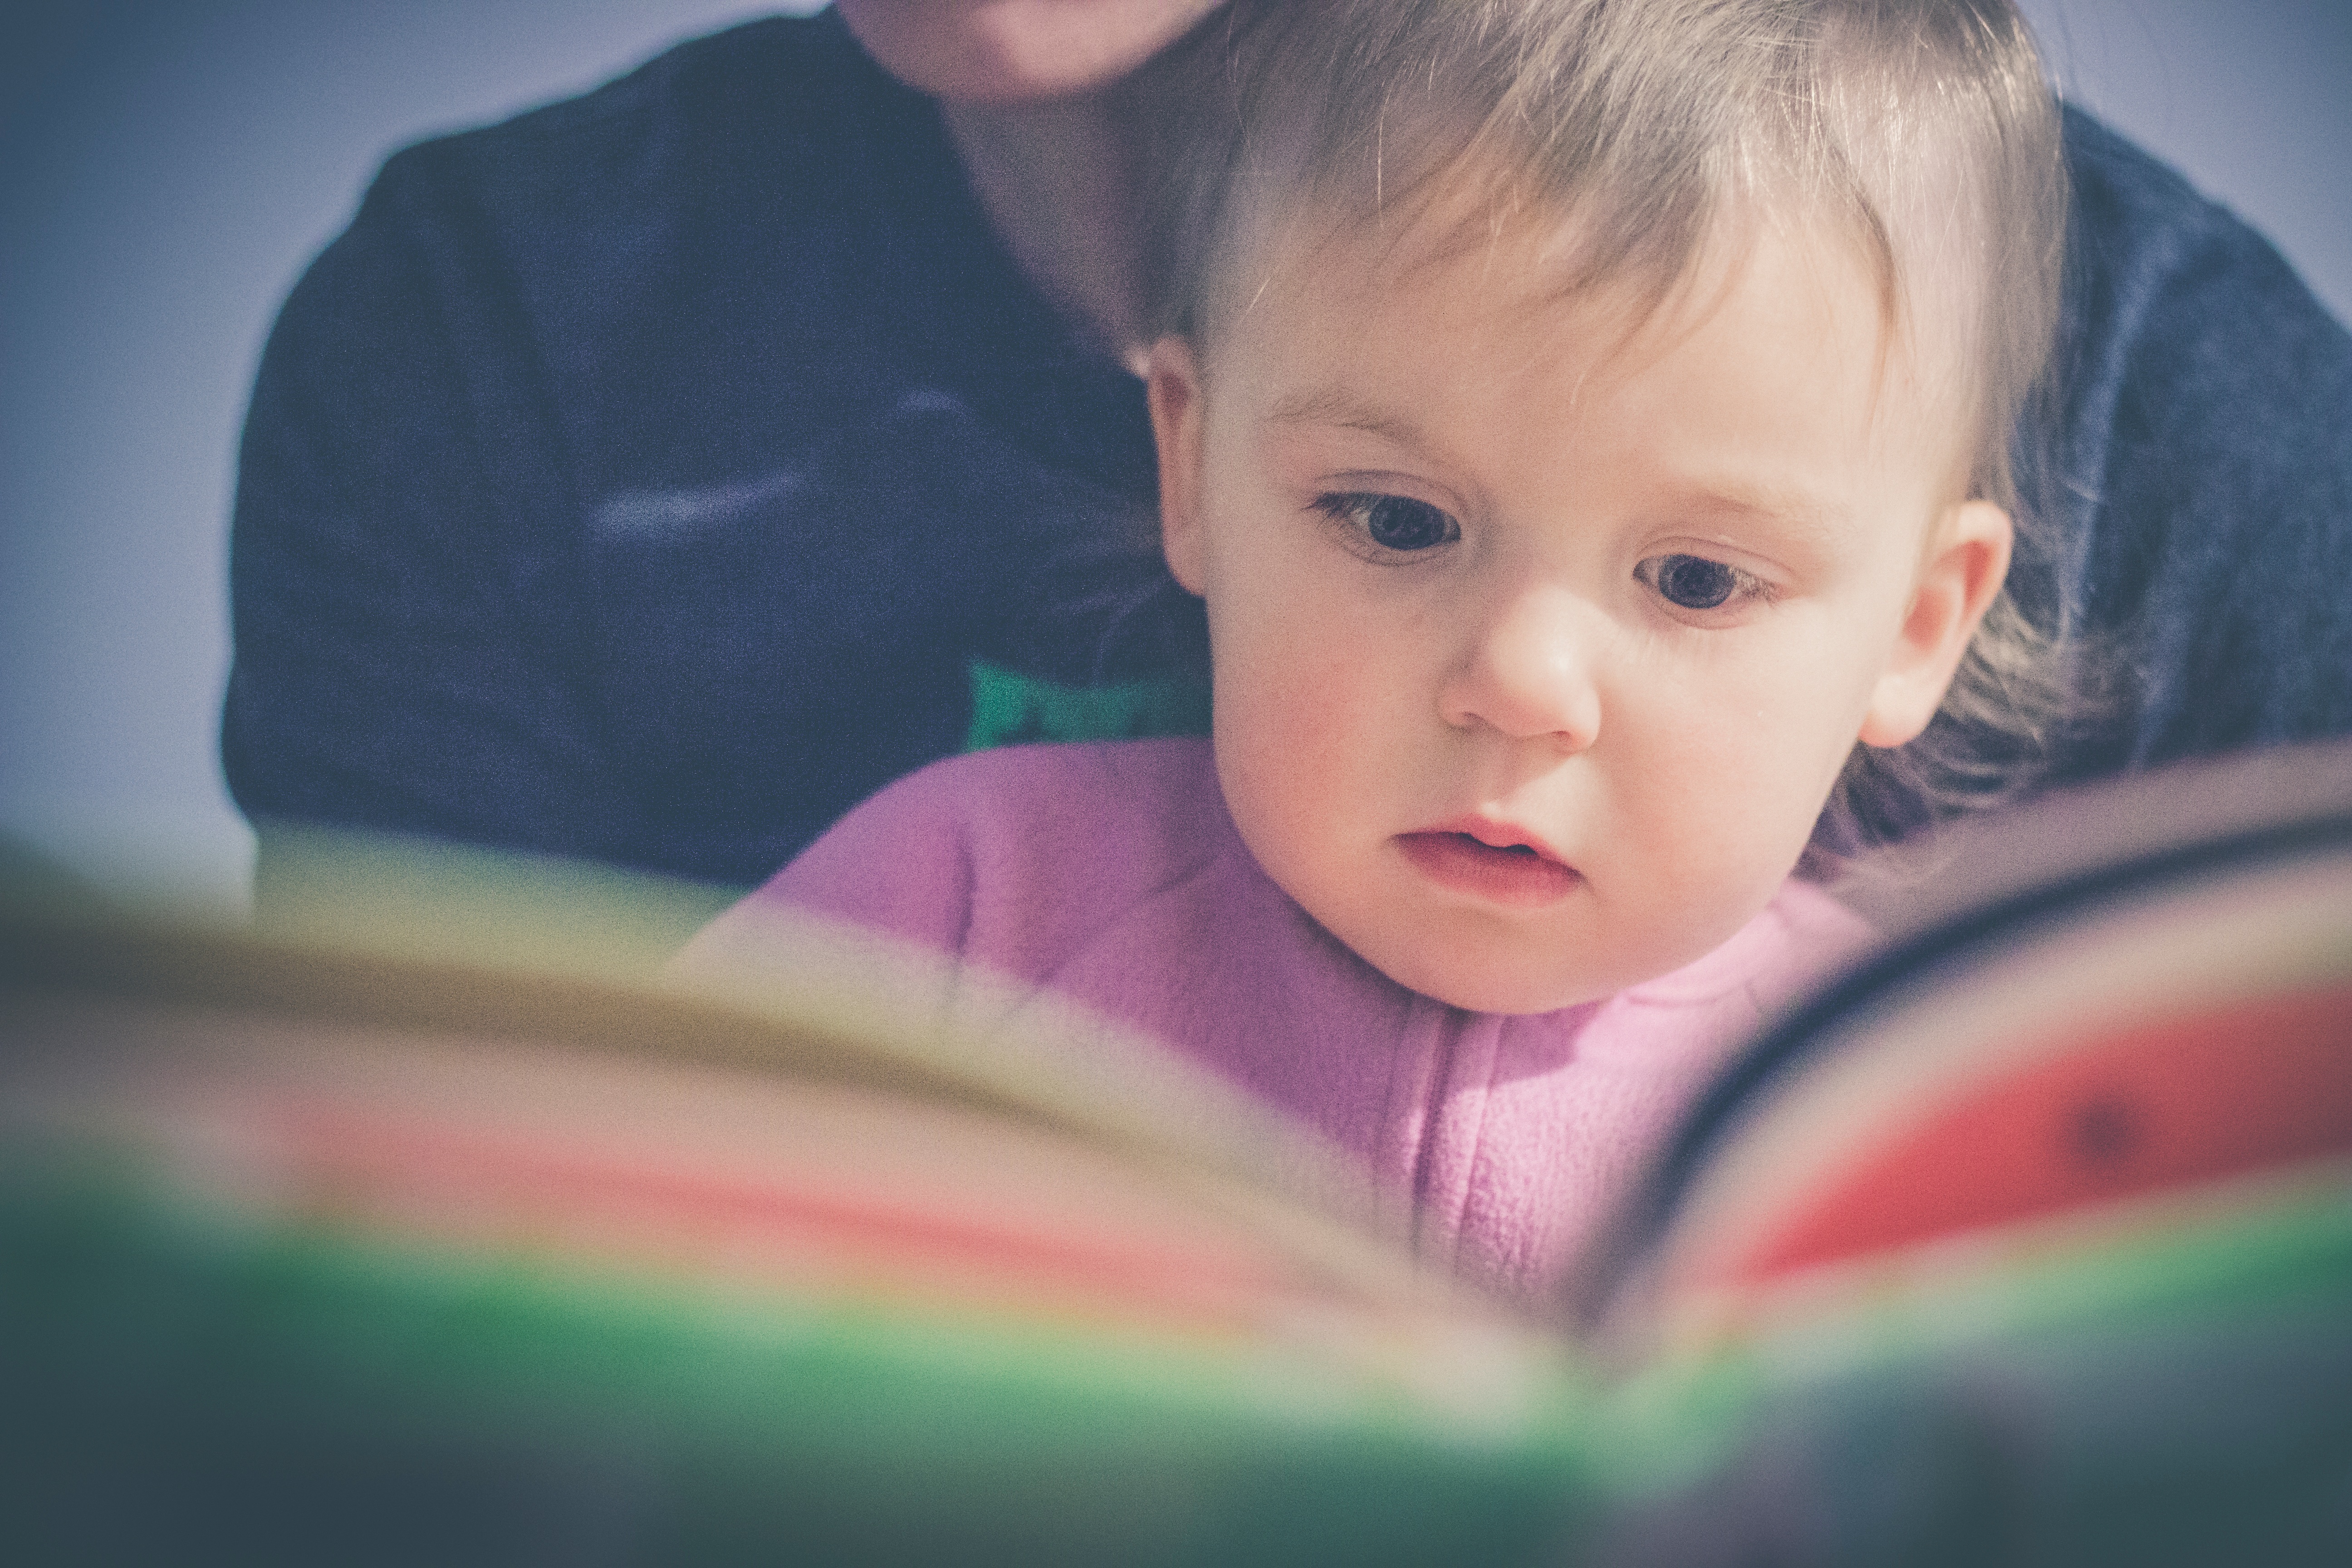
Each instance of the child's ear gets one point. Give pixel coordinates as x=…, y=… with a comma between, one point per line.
x=1957, y=584
x=1172, y=382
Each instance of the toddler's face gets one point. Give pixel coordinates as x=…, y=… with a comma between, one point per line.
x=1537, y=645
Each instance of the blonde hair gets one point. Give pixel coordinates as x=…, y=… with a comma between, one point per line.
x=1924, y=129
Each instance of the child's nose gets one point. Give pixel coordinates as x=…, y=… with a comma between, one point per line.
x=1530, y=673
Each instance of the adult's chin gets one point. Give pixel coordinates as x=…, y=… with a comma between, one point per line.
x=1011, y=52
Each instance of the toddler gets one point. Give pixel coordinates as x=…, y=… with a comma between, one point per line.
x=1587, y=425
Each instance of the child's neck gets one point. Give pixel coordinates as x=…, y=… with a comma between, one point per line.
x=1057, y=182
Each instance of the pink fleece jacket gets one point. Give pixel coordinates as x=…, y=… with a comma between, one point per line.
x=1112, y=873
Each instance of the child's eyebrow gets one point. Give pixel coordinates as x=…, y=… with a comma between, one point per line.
x=1796, y=510
x=1337, y=406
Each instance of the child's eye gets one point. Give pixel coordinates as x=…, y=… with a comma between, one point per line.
x=1393, y=523
x=1696, y=582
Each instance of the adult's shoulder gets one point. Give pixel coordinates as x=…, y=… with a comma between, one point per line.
x=2123, y=184
x=2198, y=469
x=2172, y=300
x=768, y=104
x=721, y=207
x=2142, y=235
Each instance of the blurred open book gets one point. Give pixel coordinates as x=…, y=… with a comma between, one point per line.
x=426, y=1222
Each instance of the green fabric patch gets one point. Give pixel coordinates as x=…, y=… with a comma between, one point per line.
x=1010, y=709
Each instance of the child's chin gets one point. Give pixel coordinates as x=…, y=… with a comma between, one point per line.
x=1496, y=989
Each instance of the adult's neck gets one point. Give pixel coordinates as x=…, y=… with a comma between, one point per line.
x=1057, y=182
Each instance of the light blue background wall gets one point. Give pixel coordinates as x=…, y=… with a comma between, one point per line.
x=167, y=168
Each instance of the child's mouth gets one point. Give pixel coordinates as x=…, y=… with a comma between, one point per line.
x=1519, y=874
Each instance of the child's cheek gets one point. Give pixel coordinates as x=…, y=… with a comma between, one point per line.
x=1285, y=706
x=1727, y=770
x=1307, y=699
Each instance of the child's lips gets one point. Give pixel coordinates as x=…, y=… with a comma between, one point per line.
x=1522, y=876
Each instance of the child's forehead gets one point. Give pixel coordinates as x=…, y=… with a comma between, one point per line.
x=1541, y=267
x=1441, y=300
x=1578, y=252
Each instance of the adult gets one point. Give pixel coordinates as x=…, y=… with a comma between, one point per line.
x=651, y=476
